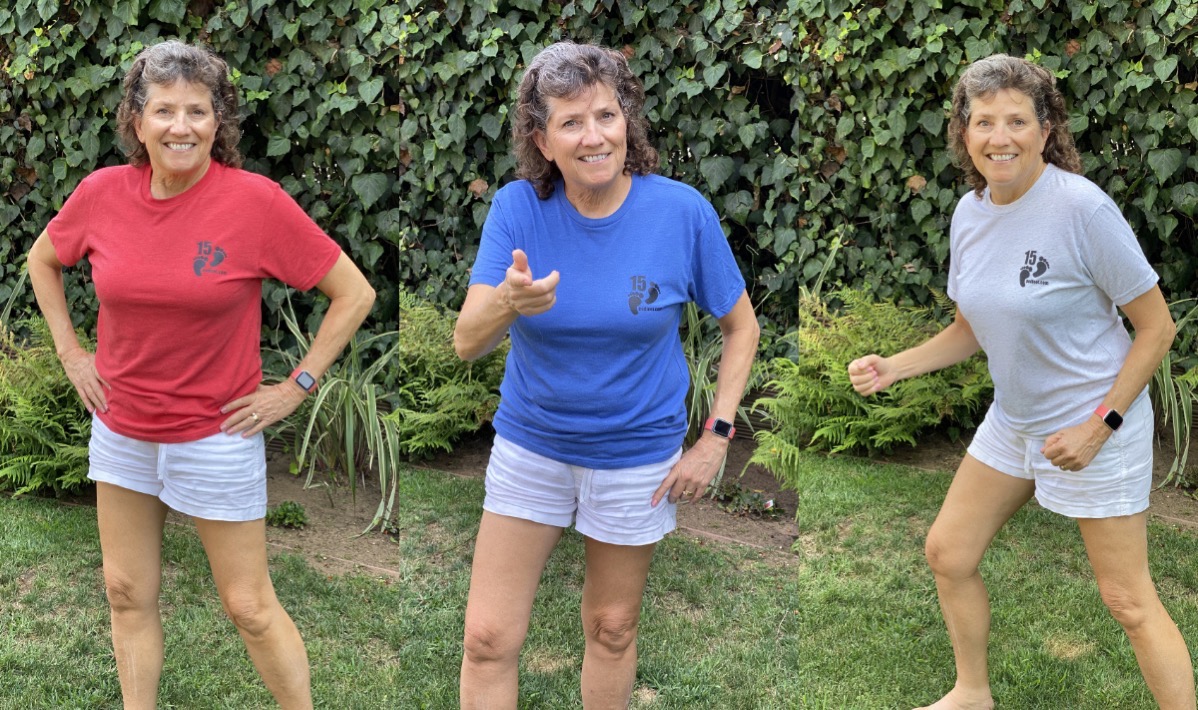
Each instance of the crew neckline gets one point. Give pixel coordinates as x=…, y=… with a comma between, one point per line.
x=190, y=193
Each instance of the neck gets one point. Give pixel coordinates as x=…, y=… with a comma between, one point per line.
x=1003, y=196
x=167, y=185
x=596, y=204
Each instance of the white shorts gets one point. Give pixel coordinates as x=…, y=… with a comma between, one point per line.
x=220, y=477
x=608, y=505
x=1117, y=482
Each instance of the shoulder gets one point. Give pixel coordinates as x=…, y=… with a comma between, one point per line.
x=247, y=183
x=671, y=190
x=113, y=177
x=1076, y=191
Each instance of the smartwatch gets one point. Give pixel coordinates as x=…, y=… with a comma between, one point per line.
x=1109, y=417
x=305, y=380
x=720, y=427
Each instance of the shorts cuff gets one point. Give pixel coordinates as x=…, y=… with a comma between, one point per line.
x=536, y=516
x=1108, y=510
x=147, y=488
x=667, y=524
x=227, y=515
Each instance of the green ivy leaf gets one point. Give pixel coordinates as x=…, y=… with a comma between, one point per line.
x=1165, y=162
x=277, y=145
x=1164, y=68
x=752, y=58
x=716, y=170
x=369, y=187
x=369, y=90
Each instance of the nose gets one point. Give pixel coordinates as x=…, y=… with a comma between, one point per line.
x=591, y=135
x=179, y=122
x=1000, y=134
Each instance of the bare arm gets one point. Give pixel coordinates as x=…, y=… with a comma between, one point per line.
x=350, y=299
x=45, y=273
x=955, y=343
x=1075, y=447
x=689, y=478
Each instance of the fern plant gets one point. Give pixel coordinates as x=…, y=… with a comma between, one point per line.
x=831, y=415
x=44, y=428
x=778, y=446
x=441, y=397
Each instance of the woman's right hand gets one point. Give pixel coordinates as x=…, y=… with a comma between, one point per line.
x=871, y=374
x=80, y=367
x=525, y=295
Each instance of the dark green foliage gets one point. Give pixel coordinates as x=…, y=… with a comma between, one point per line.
x=287, y=514
x=738, y=500
x=320, y=101
x=44, y=428
x=720, y=81
x=441, y=397
x=872, y=100
x=829, y=414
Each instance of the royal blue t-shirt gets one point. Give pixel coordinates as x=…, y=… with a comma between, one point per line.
x=600, y=380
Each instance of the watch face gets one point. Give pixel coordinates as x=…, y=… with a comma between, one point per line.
x=303, y=379
x=1113, y=419
x=721, y=427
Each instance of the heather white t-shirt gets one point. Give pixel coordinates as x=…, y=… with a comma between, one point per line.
x=1039, y=280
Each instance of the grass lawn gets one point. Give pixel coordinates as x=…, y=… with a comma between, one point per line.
x=853, y=623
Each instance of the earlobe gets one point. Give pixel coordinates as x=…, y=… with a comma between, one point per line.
x=538, y=137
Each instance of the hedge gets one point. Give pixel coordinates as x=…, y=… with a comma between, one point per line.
x=720, y=79
x=321, y=111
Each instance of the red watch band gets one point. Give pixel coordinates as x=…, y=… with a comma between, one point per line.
x=724, y=428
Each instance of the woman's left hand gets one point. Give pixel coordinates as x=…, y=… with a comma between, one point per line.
x=267, y=405
x=1074, y=448
x=687, y=481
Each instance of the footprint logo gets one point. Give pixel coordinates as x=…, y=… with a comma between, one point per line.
x=1026, y=272
x=634, y=302
x=199, y=264
x=217, y=257
x=654, y=292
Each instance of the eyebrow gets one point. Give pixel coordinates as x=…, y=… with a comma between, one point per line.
x=598, y=109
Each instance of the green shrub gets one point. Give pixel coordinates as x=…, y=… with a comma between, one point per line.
x=345, y=427
x=287, y=514
x=1174, y=392
x=44, y=427
x=441, y=397
x=778, y=446
x=829, y=414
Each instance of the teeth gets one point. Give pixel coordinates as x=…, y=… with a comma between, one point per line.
x=1003, y=157
x=180, y=146
x=594, y=158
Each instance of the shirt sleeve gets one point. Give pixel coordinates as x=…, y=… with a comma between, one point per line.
x=716, y=281
x=495, y=247
x=295, y=250
x=68, y=230
x=1114, y=257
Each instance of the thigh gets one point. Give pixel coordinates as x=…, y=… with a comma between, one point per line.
x=980, y=500
x=130, y=526
x=615, y=579
x=1118, y=551
x=509, y=557
x=237, y=554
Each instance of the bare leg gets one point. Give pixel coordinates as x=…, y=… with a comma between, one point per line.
x=131, y=542
x=611, y=610
x=1118, y=551
x=979, y=502
x=509, y=556
x=237, y=554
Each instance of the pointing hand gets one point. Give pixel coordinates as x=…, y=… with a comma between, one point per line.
x=527, y=296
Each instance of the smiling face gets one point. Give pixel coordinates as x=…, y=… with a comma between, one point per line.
x=1006, y=143
x=587, y=138
x=177, y=126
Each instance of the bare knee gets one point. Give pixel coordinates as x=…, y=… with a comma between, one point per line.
x=130, y=596
x=613, y=631
x=484, y=643
x=948, y=560
x=251, y=612
x=1130, y=608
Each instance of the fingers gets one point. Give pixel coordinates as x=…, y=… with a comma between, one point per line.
x=548, y=283
x=864, y=375
x=253, y=413
x=520, y=261
x=666, y=485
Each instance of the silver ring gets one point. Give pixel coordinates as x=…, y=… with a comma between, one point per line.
x=254, y=416
x=1063, y=468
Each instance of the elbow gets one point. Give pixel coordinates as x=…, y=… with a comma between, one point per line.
x=463, y=349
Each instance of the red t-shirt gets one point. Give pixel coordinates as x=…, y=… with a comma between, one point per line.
x=180, y=287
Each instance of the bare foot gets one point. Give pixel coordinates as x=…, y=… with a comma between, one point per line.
x=960, y=699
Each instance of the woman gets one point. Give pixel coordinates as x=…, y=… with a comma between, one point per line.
x=1041, y=257
x=179, y=242
x=591, y=422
